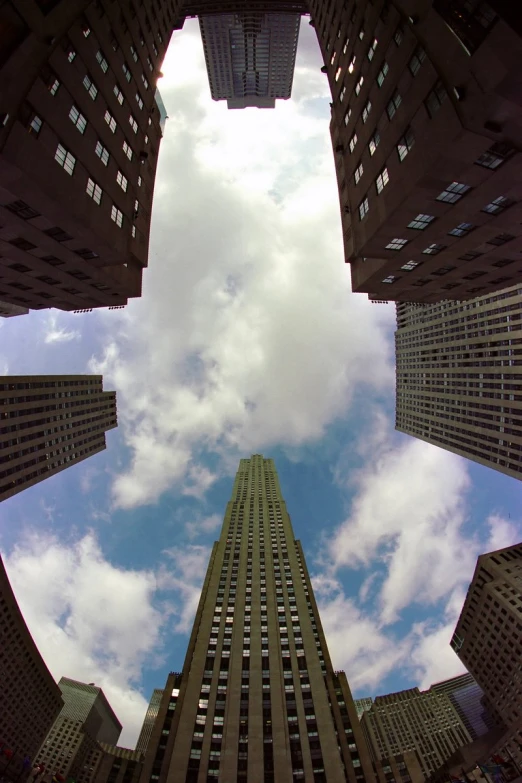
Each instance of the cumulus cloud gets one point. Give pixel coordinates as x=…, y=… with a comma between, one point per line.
x=59, y=334
x=185, y=573
x=247, y=333
x=202, y=525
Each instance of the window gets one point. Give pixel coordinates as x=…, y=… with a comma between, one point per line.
x=347, y=115
x=86, y=30
x=121, y=179
x=433, y=249
x=393, y=105
x=338, y=74
x=53, y=85
x=416, y=61
x=139, y=182
x=371, y=50
x=144, y=80
x=389, y=279
x=126, y=71
x=470, y=256
x=117, y=215
x=71, y=54
x=127, y=149
x=503, y=262
x=342, y=94
x=90, y=86
x=500, y=239
x=398, y=35
x=345, y=45
x=59, y=235
x=133, y=123
x=139, y=100
x=366, y=111
x=22, y=209
x=453, y=192
x=65, y=158
x=134, y=53
x=358, y=86
x=421, y=222
x=381, y=76
x=351, y=66
x=353, y=142
x=100, y=57
x=443, y=270
x=111, y=122
x=374, y=143
x=396, y=244
x=382, y=180
x=35, y=124
x=358, y=172
x=498, y=205
x=78, y=119
x=435, y=99
x=102, y=152
x=495, y=156
x=410, y=265
x=461, y=230
x=405, y=144
x=94, y=191
x=118, y=93
x=364, y=208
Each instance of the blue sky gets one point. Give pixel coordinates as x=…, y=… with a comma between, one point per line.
x=246, y=339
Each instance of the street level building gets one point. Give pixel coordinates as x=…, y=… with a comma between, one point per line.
x=426, y=131
x=488, y=637
x=49, y=422
x=85, y=720
x=458, y=379
x=250, y=57
x=79, y=139
x=148, y=722
x=257, y=699
x=30, y=699
x=424, y=722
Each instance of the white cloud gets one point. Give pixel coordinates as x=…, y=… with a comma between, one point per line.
x=59, y=334
x=83, y=613
x=247, y=333
x=185, y=574
x=201, y=525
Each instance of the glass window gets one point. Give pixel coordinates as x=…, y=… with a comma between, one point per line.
x=433, y=249
x=100, y=57
x=102, y=152
x=421, y=222
x=121, y=179
x=382, y=73
x=111, y=122
x=416, y=61
x=405, y=144
x=118, y=93
x=353, y=142
x=128, y=152
x=396, y=244
x=435, y=99
x=393, y=104
x=117, y=215
x=133, y=123
x=358, y=172
x=374, y=143
x=90, y=86
x=94, y=191
x=126, y=72
x=382, y=180
x=358, y=86
x=371, y=50
x=366, y=111
x=78, y=119
x=364, y=208
x=495, y=156
x=453, y=192
x=461, y=230
x=498, y=205
x=65, y=158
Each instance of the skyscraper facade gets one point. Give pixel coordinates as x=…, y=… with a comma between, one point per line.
x=149, y=720
x=258, y=699
x=468, y=698
x=488, y=636
x=79, y=139
x=458, y=377
x=30, y=699
x=86, y=719
x=49, y=422
x=426, y=136
x=361, y=705
x=250, y=57
x=412, y=720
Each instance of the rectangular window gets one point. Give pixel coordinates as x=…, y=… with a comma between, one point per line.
x=100, y=57
x=374, y=143
x=498, y=205
x=398, y=36
x=133, y=123
x=144, y=80
x=495, y=156
x=342, y=94
x=461, y=230
x=78, y=119
x=94, y=191
x=338, y=74
x=102, y=152
x=358, y=172
x=351, y=66
x=382, y=180
x=90, y=86
x=127, y=149
x=35, y=124
x=117, y=215
x=134, y=53
x=381, y=76
x=421, y=222
x=139, y=100
x=396, y=244
x=121, y=179
x=53, y=85
x=435, y=99
x=111, y=122
x=126, y=72
x=500, y=239
x=433, y=249
x=353, y=142
x=405, y=144
x=65, y=158
x=358, y=86
x=364, y=208
x=416, y=61
x=453, y=192
x=366, y=111
x=410, y=265
x=371, y=50
x=118, y=93
x=393, y=105
x=347, y=115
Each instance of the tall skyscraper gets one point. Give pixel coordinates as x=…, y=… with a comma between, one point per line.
x=85, y=720
x=79, y=139
x=488, y=636
x=412, y=720
x=250, y=57
x=426, y=135
x=458, y=377
x=468, y=698
x=49, y=422
x=361, y=705
x=30, y=699
x=149, y=720
x=258, y=699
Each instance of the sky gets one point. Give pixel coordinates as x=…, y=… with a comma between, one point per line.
x=247, y=339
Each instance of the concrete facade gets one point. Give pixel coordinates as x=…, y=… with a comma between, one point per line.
x=458, y=379
x=258, y=699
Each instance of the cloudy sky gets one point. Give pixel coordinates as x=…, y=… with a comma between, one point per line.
x=247, y=339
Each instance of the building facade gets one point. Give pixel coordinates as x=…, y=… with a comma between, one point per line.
x=488, y=637
x=115, y=765
x=30, y=699
x=79, y=140
x=361, y=705
x=257, y=700
x=48, y=423
x=421, y=722
x=458, y=379
x=250, y=57
x=426, y=134
x=148, y=722
x=469, y=700
x=85, y=720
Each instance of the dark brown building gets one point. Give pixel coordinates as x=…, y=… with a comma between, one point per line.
x=426, y=129
x=258, y=699
x=30, y=699
x=488, y=637
x=79, y=137
x=49, y=422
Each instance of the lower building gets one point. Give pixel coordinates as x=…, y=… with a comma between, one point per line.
x=469, y=700
x=488, y=637
x=148, y=722
x=114, y=765
x=72, y=746
x=402, y=768
x=48, y=423
x=30, y=699
x=458, y=377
